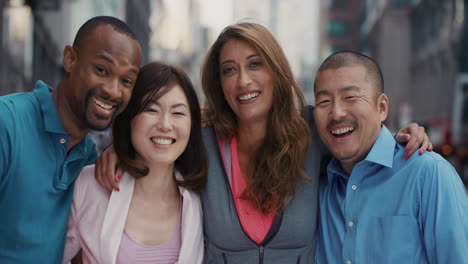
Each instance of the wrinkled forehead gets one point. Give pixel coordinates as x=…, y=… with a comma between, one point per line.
x=344, y=76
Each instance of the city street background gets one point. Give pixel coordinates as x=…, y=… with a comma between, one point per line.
x=421, y=46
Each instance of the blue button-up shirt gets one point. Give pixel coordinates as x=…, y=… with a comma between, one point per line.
x=36, y=177
x=392, y=210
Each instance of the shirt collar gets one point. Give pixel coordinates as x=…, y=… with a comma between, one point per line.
x=52, y=122
x=50, y=115
x=381, y=153
x=383, y=149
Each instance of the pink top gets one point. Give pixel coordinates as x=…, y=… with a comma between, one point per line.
x=132, y=252
x=255, y=224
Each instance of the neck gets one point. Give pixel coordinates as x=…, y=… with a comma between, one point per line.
x=347, y=167
x=249, y=139
x=158, y=184
x=250, y=136
x=70, y=122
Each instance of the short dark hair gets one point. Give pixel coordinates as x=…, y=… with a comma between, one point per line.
x=351, y=58
x=154, y=80
x=89, y=26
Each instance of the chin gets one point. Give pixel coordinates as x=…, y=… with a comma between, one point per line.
x=341, y=155
x=99, y=126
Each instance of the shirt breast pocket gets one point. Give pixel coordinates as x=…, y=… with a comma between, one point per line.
x=392, y=239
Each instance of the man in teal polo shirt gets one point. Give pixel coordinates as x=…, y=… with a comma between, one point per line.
x=44, y=142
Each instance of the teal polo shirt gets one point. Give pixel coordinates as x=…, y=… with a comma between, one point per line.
x=36, y=177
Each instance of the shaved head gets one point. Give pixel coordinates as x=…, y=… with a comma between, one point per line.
x=90, y=26
x=349, y=59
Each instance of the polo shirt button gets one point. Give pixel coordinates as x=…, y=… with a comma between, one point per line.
x=62, y=141
x=354, y=187
x=350, y=223
x=348, y=262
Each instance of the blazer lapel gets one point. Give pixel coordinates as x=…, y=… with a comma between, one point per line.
x=115, y=218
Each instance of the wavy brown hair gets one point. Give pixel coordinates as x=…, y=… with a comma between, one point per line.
x=154, y=80
x=280, y=158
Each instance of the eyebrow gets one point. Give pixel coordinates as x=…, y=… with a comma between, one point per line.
x=341, y=90
x=110, y=60
x=178, y=105
x=172, y=106
x=106, y=58
x=248, y=57
x=350, y=88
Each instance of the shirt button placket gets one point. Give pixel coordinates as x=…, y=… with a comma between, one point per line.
x=349, y=244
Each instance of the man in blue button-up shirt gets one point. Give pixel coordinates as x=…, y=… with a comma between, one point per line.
x=44, y=142
x=376, y=206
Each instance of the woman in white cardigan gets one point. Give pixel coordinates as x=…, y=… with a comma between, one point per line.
x=157, y=217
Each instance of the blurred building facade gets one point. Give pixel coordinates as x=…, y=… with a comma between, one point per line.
x=179, y=37
x=294, y=25
x=339, y=26
x=33, y=34
x=419, y=46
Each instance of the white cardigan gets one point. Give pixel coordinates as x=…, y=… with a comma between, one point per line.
x=97, y=221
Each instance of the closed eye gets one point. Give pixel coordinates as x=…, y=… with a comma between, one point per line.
x=154, y=110
x=323, y=102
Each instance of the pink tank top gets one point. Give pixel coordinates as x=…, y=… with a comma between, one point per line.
x=132, y=252
x=255, y=223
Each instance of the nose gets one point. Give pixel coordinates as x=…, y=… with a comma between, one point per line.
x=244, y=78
x=113, y=90
x=164, y=122
x=338, y=111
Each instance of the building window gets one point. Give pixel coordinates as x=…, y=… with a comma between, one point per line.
x=338, y=28
x=339, y=4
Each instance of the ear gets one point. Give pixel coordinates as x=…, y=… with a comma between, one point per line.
x=382, y=103
x=69, y=58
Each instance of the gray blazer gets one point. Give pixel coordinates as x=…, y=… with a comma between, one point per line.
x=292, y=236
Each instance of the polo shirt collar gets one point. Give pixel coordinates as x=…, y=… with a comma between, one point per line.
x=52, y=122
x=381, y=153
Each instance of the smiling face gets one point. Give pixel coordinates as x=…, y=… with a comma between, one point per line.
x=348, y=113
x=160, y=133
x=246, y=81
x=101, y=74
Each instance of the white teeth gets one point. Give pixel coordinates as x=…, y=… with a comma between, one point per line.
x=342, y=130
x=248, y=96
x=102, y=104
x=161, y=141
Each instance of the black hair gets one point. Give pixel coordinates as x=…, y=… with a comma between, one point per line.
x=154, y=80
x=89, y=26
